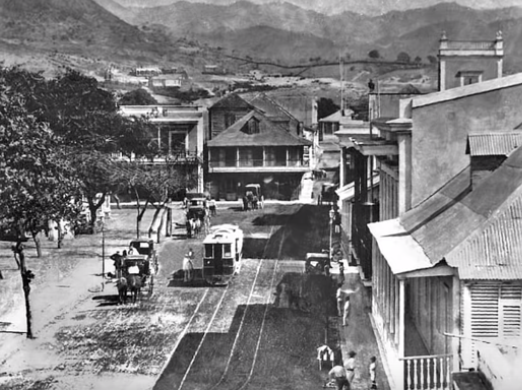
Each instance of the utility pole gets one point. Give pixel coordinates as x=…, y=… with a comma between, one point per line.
x=341, y=71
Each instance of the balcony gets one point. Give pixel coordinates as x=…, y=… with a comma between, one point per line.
x=427, y=372
x=258, y=165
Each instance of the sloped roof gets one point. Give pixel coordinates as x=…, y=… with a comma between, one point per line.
x=336, y=116
x=479, y=231
x=270, y=134
x=268, y=106
x=232, y=100
x=494, y=144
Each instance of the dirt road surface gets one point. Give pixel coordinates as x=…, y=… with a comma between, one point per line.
x=182, y=337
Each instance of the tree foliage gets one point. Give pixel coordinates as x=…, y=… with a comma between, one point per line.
x=403, y=57
x=374, y=54
x=39, y=181
x=325, y=107
x=138, y=97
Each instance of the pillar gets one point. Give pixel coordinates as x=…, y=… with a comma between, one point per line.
x=401, y=330
x=342, y=168
x=455, y=342
x=405, y=167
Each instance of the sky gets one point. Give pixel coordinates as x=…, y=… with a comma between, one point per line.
x=336, y=6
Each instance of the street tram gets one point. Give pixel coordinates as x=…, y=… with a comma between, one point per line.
x=223, y=250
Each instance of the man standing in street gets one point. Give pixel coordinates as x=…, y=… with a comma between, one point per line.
x=338, y=374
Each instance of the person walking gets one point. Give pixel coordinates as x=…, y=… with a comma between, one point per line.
x=373, y=372
x=346, y=309
x=339, y=296
x=188, y=266
x=338, y=374
x=349, y=365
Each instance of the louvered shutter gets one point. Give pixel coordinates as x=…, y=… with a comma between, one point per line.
x=511, y=313
x=485, y=310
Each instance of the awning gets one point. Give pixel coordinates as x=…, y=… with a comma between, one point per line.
x=398, y=247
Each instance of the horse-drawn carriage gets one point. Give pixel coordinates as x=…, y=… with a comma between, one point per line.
x=136, y=270
x=223, y=251
x=253, y=198
x=317, y=263
x=196, y=213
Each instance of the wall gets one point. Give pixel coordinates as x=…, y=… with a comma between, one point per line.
x=454, y=64
x=440, y=134
x=217, y=119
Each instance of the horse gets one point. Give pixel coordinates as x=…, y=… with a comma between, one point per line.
x=135, y=283
x=245, y=203
x=196, y=226
x=255, y=203
x=121, y=284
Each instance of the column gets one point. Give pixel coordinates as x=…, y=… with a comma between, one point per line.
x=237, y=157
x=264, y=156
x=442, y=74
x=405, y=167
x=342, y=168
x=401, y=330
x=455, y=341
x=287, y=162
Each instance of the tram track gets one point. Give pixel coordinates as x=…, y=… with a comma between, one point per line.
x=210, y=324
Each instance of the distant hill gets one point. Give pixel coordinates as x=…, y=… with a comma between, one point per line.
x=78, y=26
x=294, y=32
x=334, y=7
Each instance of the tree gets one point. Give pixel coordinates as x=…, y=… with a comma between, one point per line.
x=374, y=54
x=403, y=57
x=417, y=60
x=38, y=182
x=325, y=107
x=432, y=59
x=154, y=184
x=139, y=97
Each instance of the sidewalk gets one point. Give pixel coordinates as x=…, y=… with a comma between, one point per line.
x=358, y=336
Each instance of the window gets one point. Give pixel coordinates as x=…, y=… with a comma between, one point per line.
x=230, y=119
x=209, y=250
x=280, y=156
x=230, y=157
x=253, y=126
x=257, y=154
x=496, y=310
x=245, y=157
x=227, y=250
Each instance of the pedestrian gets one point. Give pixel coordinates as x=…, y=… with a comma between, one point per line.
x=339, y=295
x=338, y=374
x=349, y=365
x=212, y=207
x=346, y=311
x=373, y=372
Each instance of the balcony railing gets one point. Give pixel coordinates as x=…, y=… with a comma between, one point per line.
x=427, y=372
x=246, y=163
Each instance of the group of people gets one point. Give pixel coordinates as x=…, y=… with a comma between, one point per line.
x=343, y=374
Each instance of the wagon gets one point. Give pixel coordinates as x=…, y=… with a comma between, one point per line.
x=253, y=198
x=317, y=263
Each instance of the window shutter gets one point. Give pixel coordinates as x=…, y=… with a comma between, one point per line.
x=485, y=310
x=511, y=298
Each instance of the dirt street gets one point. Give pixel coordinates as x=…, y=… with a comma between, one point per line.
x=193, y=335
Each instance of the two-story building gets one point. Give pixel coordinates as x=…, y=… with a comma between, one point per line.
x=180, y=135
x=256, y=150
x=446, y=288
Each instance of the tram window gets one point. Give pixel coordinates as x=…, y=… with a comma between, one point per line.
x=227, y=252
x=209, y=250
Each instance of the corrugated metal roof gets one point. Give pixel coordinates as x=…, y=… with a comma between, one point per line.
x=479, y=232
x=270, y=134
x=493, y=252
x=494, y=144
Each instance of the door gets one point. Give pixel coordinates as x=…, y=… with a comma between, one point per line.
x=218, y=259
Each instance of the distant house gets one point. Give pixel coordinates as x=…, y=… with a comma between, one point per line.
x=168, y=80
x=255, y=150
x=147, y=71
x=213, y=69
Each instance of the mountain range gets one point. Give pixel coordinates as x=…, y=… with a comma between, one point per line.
x=198, y=33
x=289, y=33
x=334, y=7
